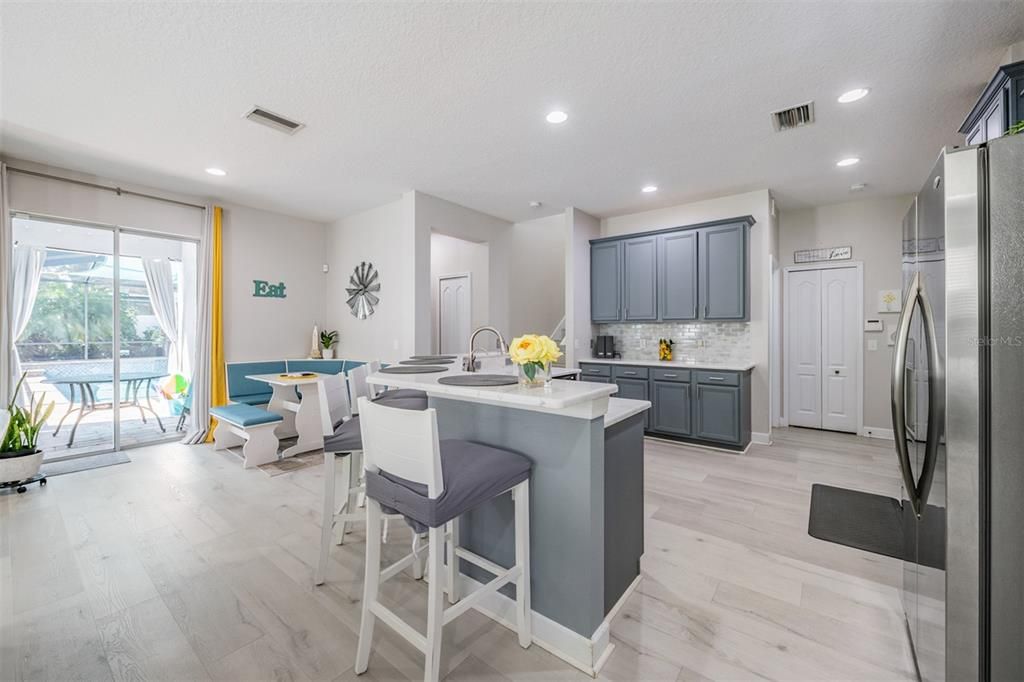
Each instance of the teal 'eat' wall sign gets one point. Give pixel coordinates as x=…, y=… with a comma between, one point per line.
x=264, y=289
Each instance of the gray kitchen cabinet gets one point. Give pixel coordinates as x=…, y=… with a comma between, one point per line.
x=670, y=407
x=697, y=272
x=718, y=413
x=589, y=372
x=634, y=389
x=605, y=282
x=677, y=276
x=692, y=404
x=723, y=272
x=640, y=278
x=1000, y=106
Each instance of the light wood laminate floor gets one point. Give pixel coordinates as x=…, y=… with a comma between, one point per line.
x=182, y=566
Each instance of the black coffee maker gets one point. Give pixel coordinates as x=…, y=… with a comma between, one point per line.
x=604, y=347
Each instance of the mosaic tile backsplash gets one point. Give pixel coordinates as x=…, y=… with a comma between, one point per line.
x=696, y=341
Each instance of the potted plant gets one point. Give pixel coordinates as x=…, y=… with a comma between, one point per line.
x=327, y=340
x=19, y=458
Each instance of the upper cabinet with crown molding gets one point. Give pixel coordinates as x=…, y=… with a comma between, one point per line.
x=1000, y=106
x=691, y=273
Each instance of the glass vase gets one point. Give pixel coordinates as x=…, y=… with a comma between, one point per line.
x=541, y=376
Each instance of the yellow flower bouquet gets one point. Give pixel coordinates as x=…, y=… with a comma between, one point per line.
x=534, y=354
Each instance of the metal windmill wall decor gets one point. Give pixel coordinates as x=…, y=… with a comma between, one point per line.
x=362, y=293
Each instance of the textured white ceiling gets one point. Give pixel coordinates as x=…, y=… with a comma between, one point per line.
x=450, y=99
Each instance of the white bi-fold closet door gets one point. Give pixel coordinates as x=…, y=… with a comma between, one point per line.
x=823, y=328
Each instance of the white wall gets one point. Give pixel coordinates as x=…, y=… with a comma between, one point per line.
x=384, y=237
x=432, y=215
x=580, y=228
x=276, y=248
x=454, y=256
x=873, y=227
x=756, y=204
x=534, y=252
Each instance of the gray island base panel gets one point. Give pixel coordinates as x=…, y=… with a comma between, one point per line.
x=586, y=512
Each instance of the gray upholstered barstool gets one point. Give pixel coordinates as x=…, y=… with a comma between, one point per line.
x=342, y=438
x=359, y=386
x=432, y=482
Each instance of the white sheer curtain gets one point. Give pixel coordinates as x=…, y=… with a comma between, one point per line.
x=26, y=271
x=200, y=410
x=160, y=285
x=6, y=243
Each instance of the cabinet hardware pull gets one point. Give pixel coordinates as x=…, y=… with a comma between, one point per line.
x=670, y=376
x=716, y=378
x=630, y=374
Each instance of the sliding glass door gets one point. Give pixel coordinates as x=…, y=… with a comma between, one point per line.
x=105, y=318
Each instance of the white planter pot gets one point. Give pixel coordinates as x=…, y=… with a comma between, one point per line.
x=328, y=353
x=20, y=468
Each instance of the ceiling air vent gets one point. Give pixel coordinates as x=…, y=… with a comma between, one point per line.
x=275, y=121
x=794, y=117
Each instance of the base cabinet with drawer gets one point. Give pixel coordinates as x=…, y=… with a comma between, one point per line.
x=696, y=405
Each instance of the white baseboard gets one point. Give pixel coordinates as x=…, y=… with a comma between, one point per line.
x=876, y=432
x=578, y=651
x=761, y=438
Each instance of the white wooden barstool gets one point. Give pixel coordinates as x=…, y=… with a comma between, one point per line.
x=359, y=387
x=349, y=437
x=432, y=482
x=342, y=439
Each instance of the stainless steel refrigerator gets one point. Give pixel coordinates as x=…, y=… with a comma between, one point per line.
x=958, y=414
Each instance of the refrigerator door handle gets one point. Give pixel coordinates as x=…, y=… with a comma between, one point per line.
x=898, y=392
x=936, y=402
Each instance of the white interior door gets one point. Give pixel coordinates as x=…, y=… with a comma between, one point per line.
x=454, y=314
x=823, y=332
x=840, y=335
x=803, y=327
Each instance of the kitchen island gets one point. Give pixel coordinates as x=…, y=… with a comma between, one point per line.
x=586, y=500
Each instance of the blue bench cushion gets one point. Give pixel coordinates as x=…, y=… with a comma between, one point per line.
x=321, y=366
x=260, y=399
x=239, y=386
x=244, y=415
x=473, y=473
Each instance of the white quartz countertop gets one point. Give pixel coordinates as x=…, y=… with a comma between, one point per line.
x=738, y=366
x=571, y=398
x=620, y=409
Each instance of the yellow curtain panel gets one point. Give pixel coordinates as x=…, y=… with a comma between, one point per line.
x=218, y=386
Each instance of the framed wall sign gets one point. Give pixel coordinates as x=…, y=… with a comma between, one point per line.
x=828, y=253
x=264, y=289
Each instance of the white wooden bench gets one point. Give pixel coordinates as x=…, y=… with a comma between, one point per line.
x=249, y=426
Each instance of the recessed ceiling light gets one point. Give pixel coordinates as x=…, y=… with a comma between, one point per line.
x=557, y=117
x=217, y=171
x=853, y=95
x=649, y=188
x=849, y=161
x=859, y=187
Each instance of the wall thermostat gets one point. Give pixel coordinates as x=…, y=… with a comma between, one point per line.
x=874, y=325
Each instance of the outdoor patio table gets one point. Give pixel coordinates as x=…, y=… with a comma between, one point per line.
x=301, y=414
x=134, y=381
